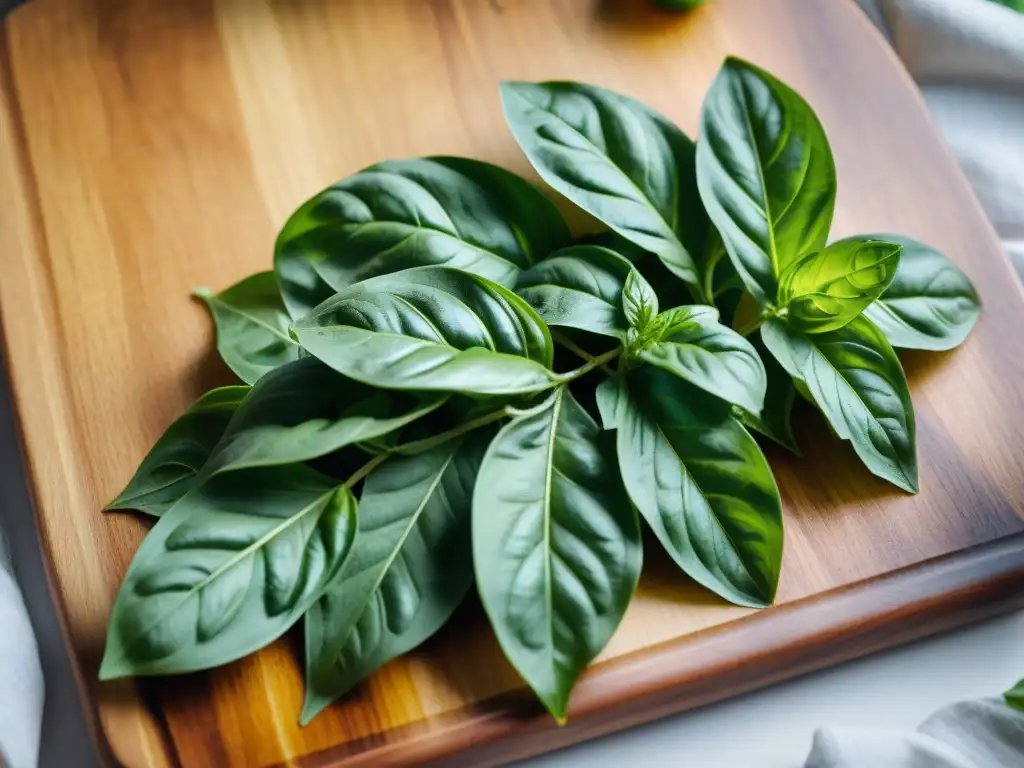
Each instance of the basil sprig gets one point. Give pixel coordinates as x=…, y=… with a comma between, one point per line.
x=446, y=389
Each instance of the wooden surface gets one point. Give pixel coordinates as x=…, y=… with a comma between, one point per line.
x=148, y=146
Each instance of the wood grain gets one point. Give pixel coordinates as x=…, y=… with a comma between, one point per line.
x=147, y=147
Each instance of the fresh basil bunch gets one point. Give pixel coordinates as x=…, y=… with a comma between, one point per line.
x=410, y=349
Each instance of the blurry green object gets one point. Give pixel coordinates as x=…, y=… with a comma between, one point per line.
x=1015, y=696
x=686, y=5
x=1017, y=5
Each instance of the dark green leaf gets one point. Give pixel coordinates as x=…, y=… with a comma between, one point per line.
x=168, y=472
x=701, y=483
x=556, y=544
x=929, y=305
x=855, y=379
x=618, y=160
x=252, y=326
x=411, y=213
x=227, y=570
x=696, y=347
x=1015, y=696
x=825, y=290
x=639, y=301
x=765, y=173
x=410, y=567
x=305, y=410
x=432, y=328
x=774, y=421
x=580, y=287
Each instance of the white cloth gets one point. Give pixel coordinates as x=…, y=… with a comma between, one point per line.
x=967, y=57
x=21, y=679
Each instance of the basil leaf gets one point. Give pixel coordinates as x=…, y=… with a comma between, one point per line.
x=252, y=326
x=618, y=160
x=696, y=347
x=702, y=484
x=409, y=569
x=432, y=328
x=305, y=410
x=1015, y=696
x=825, y=290
x=855, y=379
x=930, y=304
x=671, y=291
x=227, y=570
x=580, y=287
x=639, y=301
x=765, y=173
x=774, y=420
x=556, y=544
x=411, y=213
x=169, y=470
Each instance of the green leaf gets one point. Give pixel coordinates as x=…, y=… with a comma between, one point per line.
x=702, y=484
x=556, y=544
x=696, y=347
x=411, y=213
x=618, y=160
x=825, y=290
x=580, y=287
x=639, y=301
x=305, y=410
x=410, y=567
x=1015, y=696
x=765, y=173
x=432, y=328
x=774, y=419
x=252, y=326
x=169, y=470
x=228, y=570
x=930, y=304
x=855, y=379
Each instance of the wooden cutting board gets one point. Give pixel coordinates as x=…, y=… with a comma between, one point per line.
x=150, y=146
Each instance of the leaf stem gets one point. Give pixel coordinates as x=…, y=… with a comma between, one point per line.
x=753, y=325
x=366, y=469
x=419, y=446
x=709, y=273
x=591, y=364
x=577, y=350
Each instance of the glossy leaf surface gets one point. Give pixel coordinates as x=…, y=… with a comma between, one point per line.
x=169, y=470
x=930, y=304
x=619, y=161
x=580, y=287
x=556, y=544
x=305, y=410
x=696, y=347
x=702, y=484
x=775, y=419
x=825, y=290
x=252, y=326
x=639, y=301
x=765, y=173
x=410, y=213
x=410, y=567
x=855, y=379
x=432, y=328
x=228, y=570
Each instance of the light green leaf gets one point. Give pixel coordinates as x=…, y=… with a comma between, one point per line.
x=410, y=567
x=305, y=410
x=411, y=213
x=774, y=419
x=639, y=301
x=701, y=483
x=930, y=304
x=618, y=160
x=1015, y=696
x=696, y=347
x=432, y=328
x=169, y=470
x=252, y=326
x=228, y=570
x=825, y=290
x=580, y=287
x=765, y=173
x=556, y=545
x=855, y=379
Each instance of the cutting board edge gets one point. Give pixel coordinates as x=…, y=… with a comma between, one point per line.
x=765, y=648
